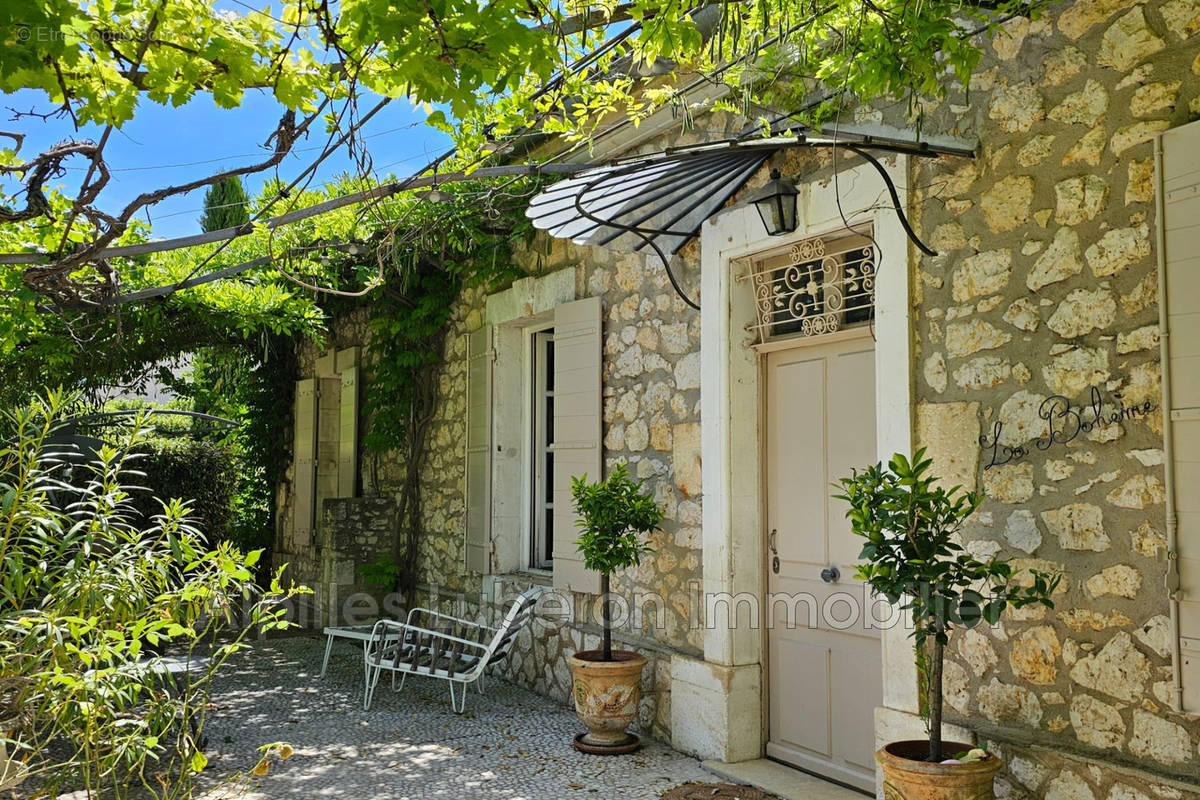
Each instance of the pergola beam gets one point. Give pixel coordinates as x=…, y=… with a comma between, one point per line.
x=375, y=193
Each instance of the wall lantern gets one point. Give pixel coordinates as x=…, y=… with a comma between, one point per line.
x=776, y=204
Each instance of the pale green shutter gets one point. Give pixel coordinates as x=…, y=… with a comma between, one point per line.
x=347, y=367
x=576, y=444
x=479, y=451
x=329, y=412
x=1180, y=188
x=304, y=452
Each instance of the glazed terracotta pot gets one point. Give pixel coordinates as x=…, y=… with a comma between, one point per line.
x=906, y=776
x=606, y=698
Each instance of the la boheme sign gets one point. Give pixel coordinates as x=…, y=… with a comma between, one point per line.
x=1064, y=422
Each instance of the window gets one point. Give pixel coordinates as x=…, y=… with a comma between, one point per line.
x=816, y=286
x=533, y=424
x=325, y=447
x=541, y=416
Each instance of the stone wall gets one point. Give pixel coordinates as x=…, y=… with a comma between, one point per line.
x=651, y=398
x=651, y=421
x=352, y=532
x=1046, y=285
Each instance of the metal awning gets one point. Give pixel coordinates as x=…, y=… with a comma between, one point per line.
x=659, y=201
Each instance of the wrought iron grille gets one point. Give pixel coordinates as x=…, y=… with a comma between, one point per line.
x=816, y=286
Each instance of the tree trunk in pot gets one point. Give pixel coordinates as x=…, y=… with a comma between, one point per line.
x=606, y=617
x=935, y=702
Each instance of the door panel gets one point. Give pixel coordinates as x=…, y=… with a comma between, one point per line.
x=807, y=667
x=790, y=422
x=851, y=429
x=824, y=664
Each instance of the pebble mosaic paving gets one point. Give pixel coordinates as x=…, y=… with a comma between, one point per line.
x=510, y=744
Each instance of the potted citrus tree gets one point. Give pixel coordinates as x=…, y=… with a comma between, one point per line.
x=614, y=515
x=912, y=556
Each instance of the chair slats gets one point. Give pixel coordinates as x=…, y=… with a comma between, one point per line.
x=444, y=647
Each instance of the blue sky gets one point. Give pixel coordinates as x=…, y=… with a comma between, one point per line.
x=161, y=145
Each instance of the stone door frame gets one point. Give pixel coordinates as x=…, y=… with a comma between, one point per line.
x=728, y=689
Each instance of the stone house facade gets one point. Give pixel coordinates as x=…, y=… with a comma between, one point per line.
x=649, y=402
x=1045, y=284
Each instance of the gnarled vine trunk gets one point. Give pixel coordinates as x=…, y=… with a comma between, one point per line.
x=422, y=405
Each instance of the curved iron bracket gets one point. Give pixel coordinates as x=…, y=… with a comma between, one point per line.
x=891, y=187
x=641, y=233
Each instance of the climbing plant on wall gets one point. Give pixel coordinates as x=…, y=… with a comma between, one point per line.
x=445, y=248
x=412, y=260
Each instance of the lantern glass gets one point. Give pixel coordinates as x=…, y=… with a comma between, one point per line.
x=776, y=204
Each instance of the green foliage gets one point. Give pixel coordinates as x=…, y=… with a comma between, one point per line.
x=912, y=555
x=443, y=249
x=203, y=473
x=496, y=68
x=382, y=573
x=242, y=335
x=613, y=516
x=90, y=593
x=254, y=386
x=89, y=48
x=225, y=205
x=406, y=334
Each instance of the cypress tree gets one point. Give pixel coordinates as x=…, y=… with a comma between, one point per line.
x=225, y=205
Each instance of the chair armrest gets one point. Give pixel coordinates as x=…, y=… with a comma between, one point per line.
x=384, y=626
x=440, y=615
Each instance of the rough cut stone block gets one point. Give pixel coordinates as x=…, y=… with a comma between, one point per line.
x=1078, y=526
x=1061, y=260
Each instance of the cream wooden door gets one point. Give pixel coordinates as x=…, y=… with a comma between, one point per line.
x=824, y=666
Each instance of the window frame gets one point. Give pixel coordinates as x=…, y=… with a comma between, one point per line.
x=536, y=438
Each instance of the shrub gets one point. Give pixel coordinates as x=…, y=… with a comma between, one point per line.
x=911, y=554
x=204, y=473
x=613, y=516
x=89, y=590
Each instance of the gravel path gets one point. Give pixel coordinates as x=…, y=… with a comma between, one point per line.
x=511, y=744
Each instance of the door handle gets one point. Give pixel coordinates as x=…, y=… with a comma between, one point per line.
x=774, y=552
x=831, y=574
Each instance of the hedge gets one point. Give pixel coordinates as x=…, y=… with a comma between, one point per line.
x=205, y=473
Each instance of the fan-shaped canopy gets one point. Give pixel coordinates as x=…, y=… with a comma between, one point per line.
x=662, y=199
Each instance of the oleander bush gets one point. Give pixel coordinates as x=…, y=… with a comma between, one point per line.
x=91, y=591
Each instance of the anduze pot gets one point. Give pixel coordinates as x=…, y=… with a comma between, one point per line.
x=907, y=776
x=606, y=699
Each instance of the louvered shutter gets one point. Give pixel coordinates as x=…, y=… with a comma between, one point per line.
x=1180, y=188
x=479, y=451
x=347, y=468
x=329, y=412
x=577, y=424
x=305, y=457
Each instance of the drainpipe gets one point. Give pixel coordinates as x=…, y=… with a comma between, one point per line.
x=1172, y=579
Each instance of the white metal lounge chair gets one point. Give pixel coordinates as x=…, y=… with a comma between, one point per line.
x=438, y=645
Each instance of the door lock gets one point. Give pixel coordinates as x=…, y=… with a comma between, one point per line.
x=831, y=574
x=774, y=552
